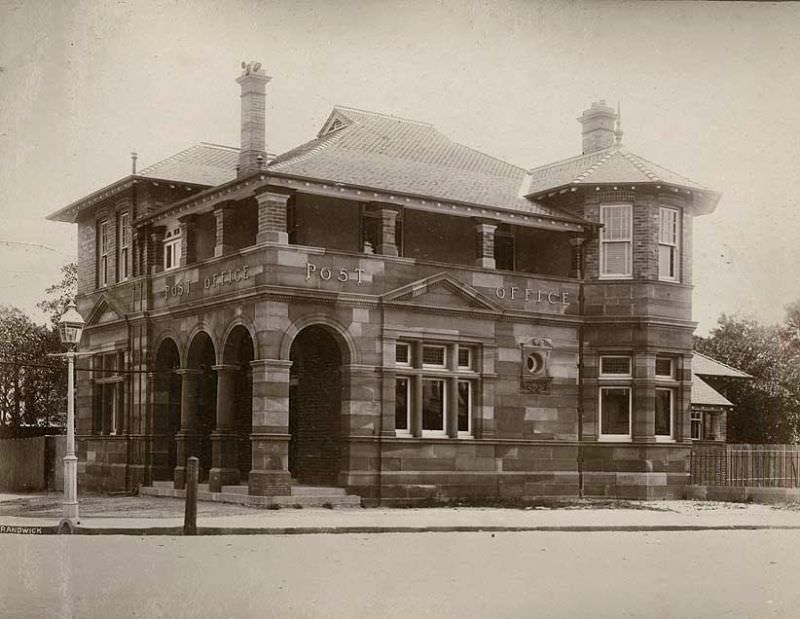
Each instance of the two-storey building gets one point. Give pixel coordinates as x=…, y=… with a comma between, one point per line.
x=388, y=311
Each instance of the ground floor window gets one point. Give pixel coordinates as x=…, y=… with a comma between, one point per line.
x=402, y=408
x=664, y=413
x=615, y=412
x=109, y=393
x=433, y=406
x=696, y=425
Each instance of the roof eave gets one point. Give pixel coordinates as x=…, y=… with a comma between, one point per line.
x=68, y=214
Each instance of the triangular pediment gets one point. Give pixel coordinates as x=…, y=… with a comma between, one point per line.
x=106, y=309
x=441, y=291
x=337, y=120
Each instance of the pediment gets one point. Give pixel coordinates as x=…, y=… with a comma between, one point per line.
x=106, y=309
x=441, y=291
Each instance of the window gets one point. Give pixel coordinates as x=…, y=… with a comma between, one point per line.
x=103, y=246
x=402, y=354
x=435, y=391
x=668, y=244
x=616, y=240
x=109, y=393
x=615, y=366
x=402, y=405
x=434, y=356
x=433, y=405
x=615, y=412
x=664, y=414
x=696, y=420
x=124, y=245
x=665, y=368
x=504, y=251
x=172, y=249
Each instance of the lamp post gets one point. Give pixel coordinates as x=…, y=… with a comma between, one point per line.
x=70, y=328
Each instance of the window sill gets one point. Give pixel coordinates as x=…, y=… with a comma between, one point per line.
x=614, y=438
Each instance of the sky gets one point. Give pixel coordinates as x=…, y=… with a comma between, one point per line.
x=706, y=89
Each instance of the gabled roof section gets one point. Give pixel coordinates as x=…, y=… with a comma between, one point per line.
x=392, y=154
x=203, y=164
x=706, y=366
x=440, y=290
x=705, y=394
x=106, y=309
x=611, y=165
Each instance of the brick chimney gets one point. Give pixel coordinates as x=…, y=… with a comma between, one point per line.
x=253, y=153
x=598, y=127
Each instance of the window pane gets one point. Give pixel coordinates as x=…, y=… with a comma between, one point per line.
x=401, y=354
x=433, y=405
x=433, y=355
x=697, y=424
x=616, y=223
x=464, y=358
x=616, y=258
x=615, y=410
x=615, y=365
x=401, y=404
x=664, y=367
x=663, y=412
x=666, y=261
x=464, y=405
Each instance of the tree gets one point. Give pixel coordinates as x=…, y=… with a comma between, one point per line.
x=61, y=294
x=767, y=407
x=32, y=385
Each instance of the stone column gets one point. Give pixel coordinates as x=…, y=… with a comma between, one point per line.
x=272, y=217
x=576, y=269
x=154, y=251
x=270, y=437
x=188, y=225
x=188, y=437
x=643, y=416
x=682, y=425
x=387, y=244
x=451, y=412
x=485, y=245
x=224, y=441
x=224, y=214
x=416, y=393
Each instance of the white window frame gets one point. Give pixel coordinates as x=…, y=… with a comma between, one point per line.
x=407, y=347
x=671, y=375
x=668, y=239
x=407, y=430
x=627, y=374
x=441, y=365
x=468, y=351
x=667, y=438
x=124, y=245
x=607, y=239
x=470, y=399
x=696, y=417
x=102, y=255
x=172, y=250
x=614, y=437
x=445, y=411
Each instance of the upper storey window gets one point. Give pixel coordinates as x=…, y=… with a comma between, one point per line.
x=668, y=244
x=124, y=245
x=103, y=246
x=616, y=240
x=172, y=249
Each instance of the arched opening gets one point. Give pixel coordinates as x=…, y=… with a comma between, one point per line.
x=166, y=409
x=239, y=352
x=201, y=357
x=315, y=398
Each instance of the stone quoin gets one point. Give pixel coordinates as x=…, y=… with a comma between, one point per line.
x=385, y=310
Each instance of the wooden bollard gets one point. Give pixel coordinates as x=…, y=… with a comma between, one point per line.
x=190, y=513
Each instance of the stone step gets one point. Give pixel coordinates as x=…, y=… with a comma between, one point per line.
x=319, y=499
x=302, y=490
x=239, y=489
x=164, y=484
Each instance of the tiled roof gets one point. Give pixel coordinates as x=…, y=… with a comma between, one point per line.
x=610, y=165
x=393, y=154
x=703, y=393
x=203, y=164
x=706, y=366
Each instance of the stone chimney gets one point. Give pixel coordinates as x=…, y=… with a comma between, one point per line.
x=598, y=127
x=253, y=148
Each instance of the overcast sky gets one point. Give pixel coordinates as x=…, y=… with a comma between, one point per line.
x=708, y=90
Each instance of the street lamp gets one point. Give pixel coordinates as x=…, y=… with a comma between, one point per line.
x=70, y=328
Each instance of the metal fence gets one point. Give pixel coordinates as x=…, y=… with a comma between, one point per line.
x=760, y=466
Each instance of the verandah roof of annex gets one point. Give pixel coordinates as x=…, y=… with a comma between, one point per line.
x=266, y=180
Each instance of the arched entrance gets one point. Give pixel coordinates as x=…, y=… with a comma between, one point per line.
x=166, y=410
x=237, y=355
x=315, y=397
x=202, y=418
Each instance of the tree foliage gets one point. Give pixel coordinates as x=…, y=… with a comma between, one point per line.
x=767, y=407
x=61, y=294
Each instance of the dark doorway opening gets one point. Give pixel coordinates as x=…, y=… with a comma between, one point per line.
x=315, y=398
x=239, y=351
x=201, y=357
x=166, y=410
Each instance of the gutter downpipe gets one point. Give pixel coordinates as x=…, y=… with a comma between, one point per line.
x=581, y=304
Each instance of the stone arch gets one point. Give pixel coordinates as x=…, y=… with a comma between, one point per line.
x=204, y=328
x=200, y=421
x=351, y=354
x=166, y=407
